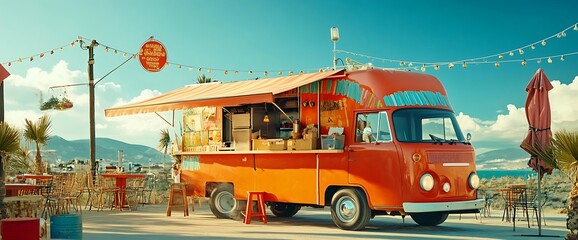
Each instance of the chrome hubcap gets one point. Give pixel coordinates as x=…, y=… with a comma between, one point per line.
x=346, y=210
x=225, y=202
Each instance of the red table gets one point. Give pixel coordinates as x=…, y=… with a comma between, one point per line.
x=33, y=176
x=121, y=185
x=12, y=189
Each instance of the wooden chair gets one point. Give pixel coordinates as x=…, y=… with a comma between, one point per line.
x=107, y=192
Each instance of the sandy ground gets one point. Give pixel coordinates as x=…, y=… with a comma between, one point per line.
x=151, y=222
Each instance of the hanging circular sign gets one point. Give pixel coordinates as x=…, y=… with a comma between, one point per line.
x=152, y=56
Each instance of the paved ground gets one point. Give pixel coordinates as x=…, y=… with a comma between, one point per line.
x=151, y=222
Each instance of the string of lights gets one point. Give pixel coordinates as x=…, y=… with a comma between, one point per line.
x=489, y=59
x=39, y=55
x=201, y=69
x=497, y=59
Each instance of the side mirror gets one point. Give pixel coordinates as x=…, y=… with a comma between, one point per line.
x=468, y=137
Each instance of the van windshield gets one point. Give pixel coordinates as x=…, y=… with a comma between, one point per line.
x=426, y=125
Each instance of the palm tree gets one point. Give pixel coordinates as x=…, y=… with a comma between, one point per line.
x=563, y=155
x=39, y=133
x=164, y=143
x=9, y=143
x=203, y=79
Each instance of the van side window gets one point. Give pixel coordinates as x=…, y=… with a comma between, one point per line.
x=384, y=134
x=371, y=127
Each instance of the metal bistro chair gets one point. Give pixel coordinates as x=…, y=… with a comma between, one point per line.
x=526, y=200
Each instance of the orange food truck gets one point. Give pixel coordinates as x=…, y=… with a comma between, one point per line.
x=362, y=142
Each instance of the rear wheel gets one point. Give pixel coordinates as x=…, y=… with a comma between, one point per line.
x=429, y=219
x=284, y=209
x=349, y=209
x=223, y=203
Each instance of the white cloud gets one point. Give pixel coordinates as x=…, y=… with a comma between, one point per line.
x=512, y=126
x=22, y=100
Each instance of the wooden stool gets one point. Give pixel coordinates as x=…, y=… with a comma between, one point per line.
x=261, y=208
x=178, y=188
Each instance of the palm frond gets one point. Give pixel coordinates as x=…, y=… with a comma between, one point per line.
x=9, y=138
x=165, y=140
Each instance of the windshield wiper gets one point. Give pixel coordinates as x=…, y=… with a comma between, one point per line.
x=437, y=139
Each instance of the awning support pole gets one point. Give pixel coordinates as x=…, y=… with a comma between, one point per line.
x=277, y=106
x=171, y=124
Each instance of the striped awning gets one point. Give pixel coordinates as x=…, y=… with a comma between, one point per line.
x=220, y=94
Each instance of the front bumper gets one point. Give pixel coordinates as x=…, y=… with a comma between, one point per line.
x=449, y=207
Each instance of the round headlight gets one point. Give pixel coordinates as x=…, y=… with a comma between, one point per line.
x=446, y=187
x=426, y=182
x=474, y=181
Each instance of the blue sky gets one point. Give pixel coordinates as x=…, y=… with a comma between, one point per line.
x=286, y=36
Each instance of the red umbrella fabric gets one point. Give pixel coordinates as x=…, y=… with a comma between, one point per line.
x=539, y=118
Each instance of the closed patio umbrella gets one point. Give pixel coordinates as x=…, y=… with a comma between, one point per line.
x=539, y=135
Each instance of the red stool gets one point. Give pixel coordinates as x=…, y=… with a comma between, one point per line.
x=20, y=228
x=261, y=205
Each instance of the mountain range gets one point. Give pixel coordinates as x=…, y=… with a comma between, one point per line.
x=106, y=148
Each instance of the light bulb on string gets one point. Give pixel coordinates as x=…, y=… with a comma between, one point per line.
x=500, y=57
x=42, y=55
x=199, y=69
x=533, y=47
x=520, y=51
x=437, y=67
x=209, y=70
x=563, y=34
x=190, y=69
x=511, y=53
x=543, y=42
x=575, y=27
x=464, y=65
x=562, y=58
x=539, y=61
x=497, y=64
x=180, y=66
x=300, y=72
x=280, y=73
x=106, y=49
x=115, y=51
x=226, y=72
x=549, y=60
x=250, y=72
x=266, y=73
x=451, y=65
x=410, y=64
x=236, y=72
x=524, y=63
x=290, y=73
x=401, y=63
x=423, y=68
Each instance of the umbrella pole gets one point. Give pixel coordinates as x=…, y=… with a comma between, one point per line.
x=539, y=217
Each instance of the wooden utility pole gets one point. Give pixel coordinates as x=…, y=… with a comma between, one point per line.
x=91, y=106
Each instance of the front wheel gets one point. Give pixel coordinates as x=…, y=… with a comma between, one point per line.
x=429, y=219
x=284, y=209
x=223, y=203
x=349, y=209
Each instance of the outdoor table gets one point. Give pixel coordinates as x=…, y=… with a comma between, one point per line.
x=121, y=185
x=12, y=189
x=33, y=176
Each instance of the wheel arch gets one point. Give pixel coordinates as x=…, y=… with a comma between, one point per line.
x=331, y=190
x=210, y=186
